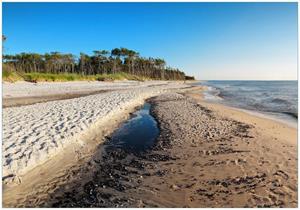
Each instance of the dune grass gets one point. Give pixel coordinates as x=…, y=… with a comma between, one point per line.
x=119, y=76
x=10, y=75
x=43, y=77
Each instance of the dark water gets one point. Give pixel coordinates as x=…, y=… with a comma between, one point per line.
x=138, y=133
x=276, y=98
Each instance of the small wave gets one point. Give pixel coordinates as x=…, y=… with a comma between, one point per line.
x=212, y=93
x=280, y=101
x=246, y=89
x=295, y=115
x=226, y=86
x=224, y=94
x=265, y=94
x=289, y=113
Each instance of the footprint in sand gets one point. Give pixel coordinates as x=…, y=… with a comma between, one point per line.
x=281, y=174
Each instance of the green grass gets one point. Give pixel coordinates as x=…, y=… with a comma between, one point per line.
x=42, y=77
x=119, y=76
x=9, y=74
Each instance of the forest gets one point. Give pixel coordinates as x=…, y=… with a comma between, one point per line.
x=101, y=62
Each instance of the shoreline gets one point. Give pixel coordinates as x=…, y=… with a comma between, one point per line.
x=285, y=122
x=292, y=122
x=177, y=158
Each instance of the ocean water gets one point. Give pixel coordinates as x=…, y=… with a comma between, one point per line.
x=275, y=99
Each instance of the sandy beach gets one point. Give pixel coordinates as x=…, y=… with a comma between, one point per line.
x=34, y=133
x=150, y=104
x=206, y=155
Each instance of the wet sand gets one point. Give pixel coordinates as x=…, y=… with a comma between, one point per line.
x=207, y=155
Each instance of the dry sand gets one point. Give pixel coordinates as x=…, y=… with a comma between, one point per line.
x=207, y=155
x=28, y=89
x=26, y=93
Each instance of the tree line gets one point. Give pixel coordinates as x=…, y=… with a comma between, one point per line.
x=100, y=62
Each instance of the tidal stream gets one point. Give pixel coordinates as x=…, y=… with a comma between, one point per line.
x=138, y=133
x=113, y=177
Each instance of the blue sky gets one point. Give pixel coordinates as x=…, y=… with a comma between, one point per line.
x=208, y=40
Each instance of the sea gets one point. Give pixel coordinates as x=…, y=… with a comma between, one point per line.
x=277, y=100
